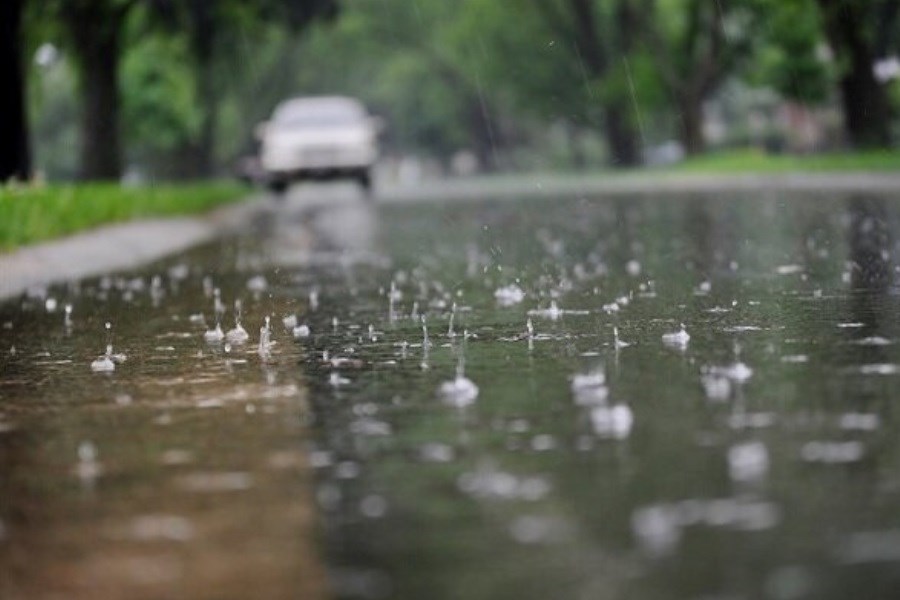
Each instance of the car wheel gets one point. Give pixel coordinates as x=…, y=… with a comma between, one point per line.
x=277, y=186
x=365, y=182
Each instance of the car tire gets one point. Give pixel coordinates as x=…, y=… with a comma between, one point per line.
x=277, y=186
x=364, y=179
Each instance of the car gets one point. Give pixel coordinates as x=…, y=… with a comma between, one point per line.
x=318, y=138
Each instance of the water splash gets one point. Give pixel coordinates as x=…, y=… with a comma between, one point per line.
x=237, y=335
x=265, y=340
x=618, y=343
x=459, y=391
x=88, y=468
x=394, y=295
x=678, y=339
x=613, y=422
x=554, y=312
x=215, y=334
x=509, y=295
x=426, y=343
x=748, y=462
x=108, y=361
x=589, y=388
x=450, y=332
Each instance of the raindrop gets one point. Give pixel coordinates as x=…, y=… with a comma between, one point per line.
x=509, y=295
x=107, y=362
x=237, y=335
x=265, y=341
x=336, y=380
x=612, y=422
x=678, y=339
x=373, y=506
x=257, y=284
x=215, y=334
x=88, y=467
x=450, y=332
x=832, y=452
x=748, y=461
x=618, y=343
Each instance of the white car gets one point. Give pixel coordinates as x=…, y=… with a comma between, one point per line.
x=318, y=137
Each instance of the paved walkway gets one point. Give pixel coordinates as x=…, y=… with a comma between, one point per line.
x=114, y=247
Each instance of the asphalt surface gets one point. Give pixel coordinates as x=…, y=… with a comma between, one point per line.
x=125, y=246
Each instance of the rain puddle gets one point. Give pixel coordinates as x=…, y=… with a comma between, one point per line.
x=617, y=397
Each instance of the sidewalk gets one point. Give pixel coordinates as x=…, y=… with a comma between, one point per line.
x=114, y=247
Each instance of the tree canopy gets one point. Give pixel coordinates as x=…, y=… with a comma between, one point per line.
x=174, y=88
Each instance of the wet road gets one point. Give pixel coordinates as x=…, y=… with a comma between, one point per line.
x=584, y=447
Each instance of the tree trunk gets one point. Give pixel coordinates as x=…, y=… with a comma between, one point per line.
x=203, y=34
x=482, y=134
x=621, y=138
x=576, y=149
x=97, y=45
x=691, y=125
x=864, y=101
x=15, y=160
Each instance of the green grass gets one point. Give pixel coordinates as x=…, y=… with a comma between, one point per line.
x=756, y=161
x=29, y=214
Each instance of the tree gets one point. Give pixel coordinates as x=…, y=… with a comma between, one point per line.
x=602, y=31
x=852, y=28
x=789, y=59
x=696, y=44
x=212, y=29
x=95, y=31
x=15, y=159
x=440, y=102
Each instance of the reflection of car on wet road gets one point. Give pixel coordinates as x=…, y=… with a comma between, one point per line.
x=318, y=138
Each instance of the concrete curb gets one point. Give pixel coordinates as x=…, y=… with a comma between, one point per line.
x=115, y=247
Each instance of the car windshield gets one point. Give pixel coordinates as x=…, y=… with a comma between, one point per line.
x=318, y=114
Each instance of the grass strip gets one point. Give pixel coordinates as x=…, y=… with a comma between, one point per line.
x=30, y=214
x=758, y=161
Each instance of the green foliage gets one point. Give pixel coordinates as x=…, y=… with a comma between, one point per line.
x=442, y=73
x=757, y=161
x=790, y=60
x=160, y=107
x=32, y=214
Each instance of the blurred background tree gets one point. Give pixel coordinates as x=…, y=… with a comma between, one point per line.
x=174, y=88
x=15, y=156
